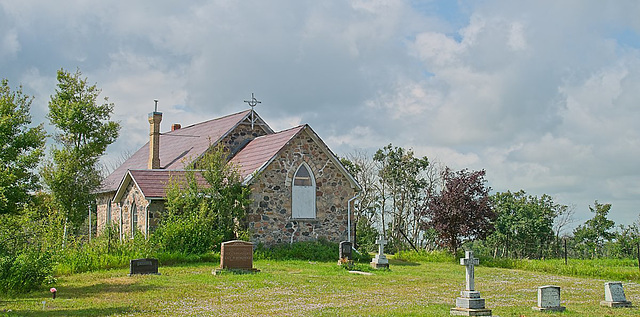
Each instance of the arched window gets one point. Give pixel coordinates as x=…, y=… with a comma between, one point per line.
x=134, y=219
x=303, y=193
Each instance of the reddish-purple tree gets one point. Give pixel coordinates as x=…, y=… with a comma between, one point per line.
x=462, y=209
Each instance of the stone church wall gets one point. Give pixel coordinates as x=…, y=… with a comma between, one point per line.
x=269, y=218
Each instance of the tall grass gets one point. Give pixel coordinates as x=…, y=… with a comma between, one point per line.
x=425, y=256
x=614, y=269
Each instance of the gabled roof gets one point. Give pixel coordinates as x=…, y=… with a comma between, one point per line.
x=261, y=151
x=153, y=183
x=180, y=147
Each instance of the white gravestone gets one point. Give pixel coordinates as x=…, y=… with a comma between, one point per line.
x=380, y=261
x=469, y=303
x=614, y=295
x=549, y=298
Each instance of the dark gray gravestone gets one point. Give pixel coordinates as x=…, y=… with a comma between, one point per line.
x=345, y=250
x=143, y=266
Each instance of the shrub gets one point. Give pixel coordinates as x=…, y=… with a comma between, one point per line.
x=320, y=250
x=26, y=271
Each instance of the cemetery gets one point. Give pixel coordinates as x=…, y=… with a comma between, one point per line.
x=408, y=286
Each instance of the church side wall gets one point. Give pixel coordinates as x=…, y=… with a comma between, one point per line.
x=269, y=218
x=102, y=201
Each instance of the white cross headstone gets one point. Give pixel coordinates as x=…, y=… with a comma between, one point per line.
x=470, y=303
x=469, y=261
x=381, y=242
x=380, y=261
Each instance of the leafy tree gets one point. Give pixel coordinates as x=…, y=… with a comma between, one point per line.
x=205, y=208
x=591, y=236
x=84, y=131
x=21, y=148
x=403, y=182
x=524, y=224
x=462, y=209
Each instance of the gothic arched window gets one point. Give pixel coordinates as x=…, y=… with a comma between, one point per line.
x=303, y=193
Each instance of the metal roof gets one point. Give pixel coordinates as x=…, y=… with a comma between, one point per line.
x=178, y=148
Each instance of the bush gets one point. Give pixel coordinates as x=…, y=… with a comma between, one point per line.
x=26, y=271
x=320, y=250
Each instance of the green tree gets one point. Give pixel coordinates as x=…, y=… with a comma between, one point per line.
x=205, y=207
x=524, y=226
x=83, y=131
x=21, y=148
x=591, y=236
x=402, y=178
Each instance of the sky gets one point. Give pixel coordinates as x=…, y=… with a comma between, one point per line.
x=543, y=95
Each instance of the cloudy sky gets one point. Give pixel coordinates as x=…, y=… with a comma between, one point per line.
x=544, y=95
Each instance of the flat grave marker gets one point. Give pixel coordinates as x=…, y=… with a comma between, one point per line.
x=549, y=299
x=236, y=255
x=614, y=295
x=143, y=266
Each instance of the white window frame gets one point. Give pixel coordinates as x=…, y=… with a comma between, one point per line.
x=303, y=197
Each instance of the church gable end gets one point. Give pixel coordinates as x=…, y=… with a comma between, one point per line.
x=271, y=218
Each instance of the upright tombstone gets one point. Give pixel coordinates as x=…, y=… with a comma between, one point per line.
x=614, y=295
x=470, y=303
x=143, y=266
x=549, y=299
x=345, y=252
x=380, y=261
x=236, y=255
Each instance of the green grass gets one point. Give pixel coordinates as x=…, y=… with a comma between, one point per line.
x=308, y=288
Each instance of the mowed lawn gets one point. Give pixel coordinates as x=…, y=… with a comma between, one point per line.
x=303, y=288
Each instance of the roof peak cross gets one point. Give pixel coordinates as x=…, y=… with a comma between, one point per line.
x=252, y=103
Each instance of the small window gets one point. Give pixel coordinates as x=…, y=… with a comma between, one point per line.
x=108, y=220
x=134, y=219
x=302, y=178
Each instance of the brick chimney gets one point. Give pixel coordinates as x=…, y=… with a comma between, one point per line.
x=175, y=126
x=154, y=138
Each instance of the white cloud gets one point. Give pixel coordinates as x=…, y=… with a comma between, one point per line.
x=543, y=95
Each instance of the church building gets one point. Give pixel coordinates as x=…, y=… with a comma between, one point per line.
x=299, y=189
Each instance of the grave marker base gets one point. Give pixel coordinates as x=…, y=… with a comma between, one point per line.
x=615, y=304
x=459, y=311
x=558, y=308
x=234, y=271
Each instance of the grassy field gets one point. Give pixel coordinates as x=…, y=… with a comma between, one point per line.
x=303, y=288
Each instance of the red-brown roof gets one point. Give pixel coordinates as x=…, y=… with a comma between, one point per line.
x=154, y=183
x=261, y=150
x=178, y=148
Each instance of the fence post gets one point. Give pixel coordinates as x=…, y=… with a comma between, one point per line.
x=565, y=251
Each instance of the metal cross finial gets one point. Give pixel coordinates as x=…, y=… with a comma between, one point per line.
x=252, y=103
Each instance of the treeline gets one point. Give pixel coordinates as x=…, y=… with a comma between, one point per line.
x=423, y=205
x=47, y=195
